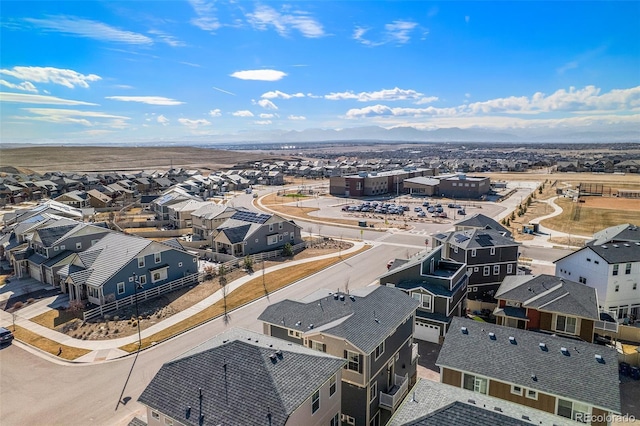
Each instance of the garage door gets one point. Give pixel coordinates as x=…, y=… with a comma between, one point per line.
x=34, y=271
x=427, y=332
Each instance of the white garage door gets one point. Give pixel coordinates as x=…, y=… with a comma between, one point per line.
x=427, y=332
x=34, y=271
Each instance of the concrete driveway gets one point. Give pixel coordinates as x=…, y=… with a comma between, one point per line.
x=427, y=360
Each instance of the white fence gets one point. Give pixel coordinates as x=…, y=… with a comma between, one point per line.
x=141, y=296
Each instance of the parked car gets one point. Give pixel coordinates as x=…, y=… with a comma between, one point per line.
x=6, y=336
x=389, y=263
x=345, y=208
x=461, y=212
x=431, y=209
x=425, y=204
x=417, y=209
x=421, y=214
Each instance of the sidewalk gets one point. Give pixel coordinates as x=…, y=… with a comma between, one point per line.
x=102, y=350
x=544, y=234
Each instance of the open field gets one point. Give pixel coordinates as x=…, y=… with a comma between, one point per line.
x=100, y=159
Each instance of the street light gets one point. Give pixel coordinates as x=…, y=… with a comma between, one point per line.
x=136, y=287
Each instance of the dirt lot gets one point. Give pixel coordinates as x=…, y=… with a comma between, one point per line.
x=100, y=159
x=123, y=323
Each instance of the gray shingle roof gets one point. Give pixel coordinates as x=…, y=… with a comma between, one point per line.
x=389, y=306
x=461, y=414
x=625, y=232
x=429, y=398
x=481, y=221
x=50, y=235
x=240, y=383
x=552, y=294
x=618, y=252
x=476, y=238
x=578, y=376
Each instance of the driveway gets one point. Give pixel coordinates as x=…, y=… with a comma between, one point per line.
x=427, y=360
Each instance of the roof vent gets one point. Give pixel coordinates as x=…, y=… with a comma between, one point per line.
x=498, y=409
x=626, y=245
x=335, y=296
x=299, y=323
x=599, y=358
x=492, y=335
x=464, y=330
x=604, y=247
x=310, y=326
x=527, y=418
x=342, y=297
x=543, y=346
x=471, y=401
x=279, y=353
x=616, y=246
x=534, y=377
x=564, y=351
x=274, y=358
x=512, y=340
x=353, y=299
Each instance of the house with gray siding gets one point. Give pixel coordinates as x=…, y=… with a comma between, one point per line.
x=438, y=284
x=372, y=329
x=241, y=377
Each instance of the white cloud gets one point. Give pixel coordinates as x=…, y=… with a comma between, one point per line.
x=150, y=100
x=193, y=124
x=215, y=113
x=263, y=122
x=242, y=113
x=64, y=77
x=25, y=85
x=297, y=117
x=162, y=120
x=38, y=99
x=167, y=38
x=122, y=86
x=264, y=17
x=72, y=116
x=263, y=115
x=267, y=104
x=262, y=75
x=89, y=29
x=426, y=100
x=467, y=18
x=206, y=19
x=396, y=32
x=383, y=110
x=276, y=94
x=395, y=94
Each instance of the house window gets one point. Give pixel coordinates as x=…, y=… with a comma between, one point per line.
x=627, y=269
x=280, y=237
x=617, y=288
x=272, y=239
x=615, y=269
x=373, y=391
x=168, y=421
x=516, y=390
x=475, y=383
x=353, y=361
x=348, y=419
x=455, y=249
x=583, y=280
x=56, y=248
x=486, y=270
x=566, y=324
x=475, y=269
x=332, y=385
x=426, y=301
x=155, y=415
x=271, y=227
x=473, y=253
x=291, y=236
x=375, y=420
x=509, y=268
x=141, y=262
x=195, y=260
x=121, y=288
x=62, y=247
x=573, y=410
x=379, y=350
x=157, y=258
x=79, y=247
x=492, y=251
x=318, y=346
x=159, y=275
x=257, y=240
x=496, y=269
x=294, y=333
x=531, y=394
x=315, y=401
x=280, y=225
x=335, y=421
x=142, y=279
x=635, y=286
x=470, y=270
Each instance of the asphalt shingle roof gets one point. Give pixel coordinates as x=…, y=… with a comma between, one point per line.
x=481, y=221
x=578, y=376
x=461, y=414
x=552, y=294
x=476, y=238
x=241, y=384
x=625, y=232
x=618, y=252
x=364, y=321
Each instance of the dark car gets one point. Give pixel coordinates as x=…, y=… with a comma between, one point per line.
x=6, y=336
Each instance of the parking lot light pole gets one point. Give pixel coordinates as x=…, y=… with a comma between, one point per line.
x=137, y=285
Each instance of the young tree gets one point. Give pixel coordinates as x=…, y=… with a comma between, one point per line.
x=248, y=264
x=287, y=250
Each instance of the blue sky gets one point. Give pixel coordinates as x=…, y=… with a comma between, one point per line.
x=169, y=70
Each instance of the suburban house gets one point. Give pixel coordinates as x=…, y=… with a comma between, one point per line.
x=548, y=304
x=372, y=328
x=208, y=217
x=436, y=404
x=489, y=256
x=246, y=232
x=438, y=284
x=98, y=199
x=78, y=199
x=180, y=213
x=611, y=264
x=571, y=379
x=161, y=204
x=480, y=221
x=109, y=268
x=241, y=377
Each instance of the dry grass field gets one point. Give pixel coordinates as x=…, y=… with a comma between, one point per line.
x=100, y=159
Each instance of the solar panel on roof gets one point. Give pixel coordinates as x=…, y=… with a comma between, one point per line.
x=461, y=238
x=250, y=217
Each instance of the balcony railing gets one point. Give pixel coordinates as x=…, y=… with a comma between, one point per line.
x=396, y=394
x=611, y=326
x=414, y=352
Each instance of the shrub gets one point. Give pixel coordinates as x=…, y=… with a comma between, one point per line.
x=76, y=306
x=116, y=318
x=18, y=305
x=287, y=250
x=248, y=264
x=30, y=300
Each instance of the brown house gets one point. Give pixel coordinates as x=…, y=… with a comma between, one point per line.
x=571, y=379
x=548, y=304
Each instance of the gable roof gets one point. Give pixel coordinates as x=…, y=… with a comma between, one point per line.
x=550, y=293
x=241, y=383
x=621, y=233
x=476, y=239
x=578, y=376
x=364, y=320
x=612, y=253
x=481, y=221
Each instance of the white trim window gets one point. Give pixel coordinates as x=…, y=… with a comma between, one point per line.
x=573, y=410
x=332, y=385
x=532, y=394
x=272, y=239
x=496, y=269
x=315, y=401
x=373, y=391
x=120, y=286
x=379, y=351
x=157, y=257
x=141, y=262
x=142, y=279
x=335, y=421
x=566, y=324
x=353, y=361
x=517, y=390
x=78, y=246
x=475, y=383
x=509, y=268
x=486, y=271
x=473, y=252
x=159, y=275
x=492, y=252
x=293, y=333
